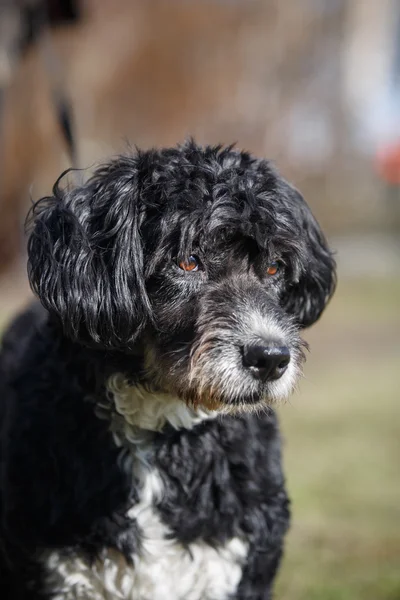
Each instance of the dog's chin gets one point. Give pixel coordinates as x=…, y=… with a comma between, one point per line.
x=251, y=401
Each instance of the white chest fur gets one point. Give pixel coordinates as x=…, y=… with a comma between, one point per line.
x=164, y=569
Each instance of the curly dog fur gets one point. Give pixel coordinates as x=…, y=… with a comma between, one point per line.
x=140, y=454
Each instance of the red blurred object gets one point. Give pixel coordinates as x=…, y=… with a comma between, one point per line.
x=388, y=163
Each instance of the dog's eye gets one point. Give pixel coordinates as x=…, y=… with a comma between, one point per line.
x=273, y=268
x=191, y=264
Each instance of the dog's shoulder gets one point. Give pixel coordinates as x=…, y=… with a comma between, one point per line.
x=61, y=478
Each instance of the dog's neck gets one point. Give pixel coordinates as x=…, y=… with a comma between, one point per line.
x=136, y=410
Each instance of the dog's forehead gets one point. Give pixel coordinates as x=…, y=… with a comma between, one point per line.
x=219, y=200
x=180, y=176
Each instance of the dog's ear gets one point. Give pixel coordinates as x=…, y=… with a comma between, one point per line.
x=314, y=276
x=85, y=257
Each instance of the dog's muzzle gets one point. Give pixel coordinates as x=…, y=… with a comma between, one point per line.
x=247, y=351
x=244, y=351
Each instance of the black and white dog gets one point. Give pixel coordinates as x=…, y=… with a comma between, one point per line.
x=140, y=458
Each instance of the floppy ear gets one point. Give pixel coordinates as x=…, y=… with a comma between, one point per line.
x=85, y=258
x=315, y=274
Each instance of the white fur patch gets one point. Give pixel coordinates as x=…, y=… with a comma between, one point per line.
x=151, y=411
x=164, y=569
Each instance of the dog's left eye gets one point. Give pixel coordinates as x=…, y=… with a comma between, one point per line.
x=273, y=268
x=190, y=264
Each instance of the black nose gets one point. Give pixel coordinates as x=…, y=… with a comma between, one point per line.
x=266, y=362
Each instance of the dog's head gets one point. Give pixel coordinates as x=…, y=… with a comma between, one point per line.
x=202, y=262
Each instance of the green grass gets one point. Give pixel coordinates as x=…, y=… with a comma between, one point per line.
x=342, y=453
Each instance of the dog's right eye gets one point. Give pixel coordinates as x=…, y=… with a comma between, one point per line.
x=190, y=264
x=273, y=268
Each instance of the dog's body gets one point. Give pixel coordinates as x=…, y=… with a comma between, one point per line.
x=140, y=459
x=185, y=500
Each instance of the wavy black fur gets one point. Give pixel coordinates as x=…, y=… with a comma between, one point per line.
x=103, y=262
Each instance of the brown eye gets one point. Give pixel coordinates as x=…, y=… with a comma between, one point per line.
x=191, y=264
x=273, y=268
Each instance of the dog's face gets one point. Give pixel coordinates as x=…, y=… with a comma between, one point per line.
x=202, y=262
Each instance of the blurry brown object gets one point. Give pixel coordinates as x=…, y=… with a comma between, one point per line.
x=154, y=72
x=266, y=74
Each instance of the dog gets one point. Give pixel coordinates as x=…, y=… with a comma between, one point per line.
x=140, y=450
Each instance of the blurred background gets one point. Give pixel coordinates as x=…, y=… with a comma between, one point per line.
x=313, y=85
